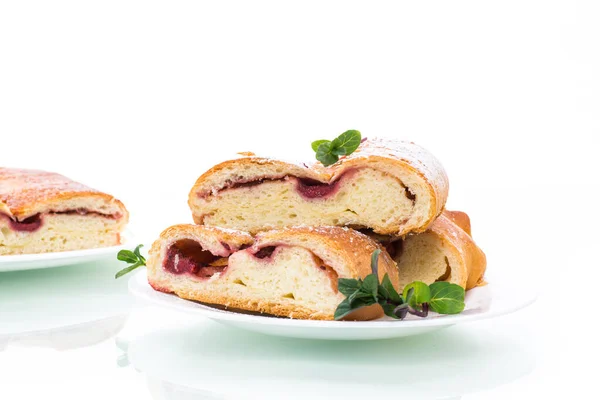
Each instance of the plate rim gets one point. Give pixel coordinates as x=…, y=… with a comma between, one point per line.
x=139, y=287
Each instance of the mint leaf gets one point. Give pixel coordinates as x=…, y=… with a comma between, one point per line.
x=392, y=295
x=417, y=297
x=127, y=256
x=137, y=253
x=363, y=303
x=375, y=262
x=325, y=155
x=388, y=308
x=343, y=309
x=348, y=286
x=358, y=295
x=337, y=151
x=421, y=294
x=447, y=298
x=346, y=143
x=127, y=270
x=315, y=145
x=329, y=152
x=347, y=306
x=370, y=286
x=134, y=258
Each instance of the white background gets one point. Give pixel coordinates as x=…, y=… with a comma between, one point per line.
x=138, y=98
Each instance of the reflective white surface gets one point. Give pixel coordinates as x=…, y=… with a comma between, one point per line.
x=207, y=357
x=41, y=302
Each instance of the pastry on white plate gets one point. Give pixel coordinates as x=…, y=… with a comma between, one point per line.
x=43, y=212
x=291, y=272
x=391, y=187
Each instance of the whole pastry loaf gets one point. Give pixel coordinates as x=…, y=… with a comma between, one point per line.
x=291, y=272
x=46, y=212
x=388, y=186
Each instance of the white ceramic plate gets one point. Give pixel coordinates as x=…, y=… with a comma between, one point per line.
x=23, y=262
x=495, y=299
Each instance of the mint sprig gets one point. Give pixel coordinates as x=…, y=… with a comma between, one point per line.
x=329, y=152
x=417, y=297
x=130, y=257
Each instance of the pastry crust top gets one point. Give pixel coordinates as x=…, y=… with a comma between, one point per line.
x=24, y=193
x=406, y=154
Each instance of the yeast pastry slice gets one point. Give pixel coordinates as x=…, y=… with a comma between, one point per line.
x=391, y=187
x=445, y=252
x=291, y=272
x=44, y=212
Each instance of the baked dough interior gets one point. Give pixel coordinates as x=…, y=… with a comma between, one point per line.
x=422, y=258
x=357, y=198
x=59, y=231
x=275, y=273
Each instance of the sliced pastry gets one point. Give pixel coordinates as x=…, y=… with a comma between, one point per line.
x=291, y=272
x=391, y=187
x=445, y=252
x=44, y=212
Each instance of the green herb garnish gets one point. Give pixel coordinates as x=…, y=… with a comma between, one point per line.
x=329, y=152
x=417, y=297
x=130, y=257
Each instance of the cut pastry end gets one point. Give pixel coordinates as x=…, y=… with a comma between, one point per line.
x=388, y=186
x=291, y=272
x=44, y=212
x=59, y=232
x=445, y=252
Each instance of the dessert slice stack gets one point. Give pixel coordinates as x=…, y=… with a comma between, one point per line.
x=274, y=237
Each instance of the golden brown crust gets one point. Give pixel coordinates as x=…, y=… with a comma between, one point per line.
x=459, y=218
x=458, y=240
x=391, y=157
x=24, y=193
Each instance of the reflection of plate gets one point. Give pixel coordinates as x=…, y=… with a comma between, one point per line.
x=205, y=360
x=50, y=300
x=49, y=260
x=479, y=305
x=72, y=337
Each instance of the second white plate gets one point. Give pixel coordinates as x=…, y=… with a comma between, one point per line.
x=488, y=301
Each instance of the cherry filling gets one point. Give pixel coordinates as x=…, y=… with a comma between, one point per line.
x=312, y=189
x=186, y=256
x=306, y=187
x=265, y=252
x=35, y=222
x=30, y=224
